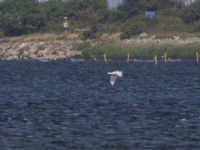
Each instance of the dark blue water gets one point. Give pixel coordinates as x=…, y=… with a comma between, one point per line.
x=63, y=105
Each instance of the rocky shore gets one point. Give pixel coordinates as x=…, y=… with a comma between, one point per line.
x=52, y=50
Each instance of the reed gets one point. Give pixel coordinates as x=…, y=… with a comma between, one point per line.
x=117, y=49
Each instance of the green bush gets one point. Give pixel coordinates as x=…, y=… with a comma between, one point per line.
x=83, y=46
x=91, y=34
x=168, y=24
x=131, y=29
x=1, y=34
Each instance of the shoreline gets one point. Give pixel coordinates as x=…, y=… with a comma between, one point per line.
x=77, y=55
x=149, y=59
x=45, y=47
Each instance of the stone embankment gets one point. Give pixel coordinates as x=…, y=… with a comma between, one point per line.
x=37, y=50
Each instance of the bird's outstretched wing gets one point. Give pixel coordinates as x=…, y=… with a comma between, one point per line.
x=113, y=78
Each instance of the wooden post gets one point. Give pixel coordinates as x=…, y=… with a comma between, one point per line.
x=197, y=57
x=165, y=57
x=155, y=60
x=105, y=59
x=128, y=58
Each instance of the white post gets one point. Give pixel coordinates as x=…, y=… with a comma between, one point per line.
x=155, y=60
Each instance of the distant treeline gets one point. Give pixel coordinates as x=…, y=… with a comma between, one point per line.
x=19, y=17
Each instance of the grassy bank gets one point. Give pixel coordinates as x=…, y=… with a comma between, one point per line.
x=118, y=49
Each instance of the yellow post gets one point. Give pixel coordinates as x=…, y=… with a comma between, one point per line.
x=105, y=59
x=165, y=56
x=155, y=60
x=197, y=57
x=128, y=58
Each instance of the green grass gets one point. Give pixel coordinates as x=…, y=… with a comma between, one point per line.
x=117, y=49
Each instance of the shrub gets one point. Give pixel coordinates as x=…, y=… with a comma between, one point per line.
x=91, y=34
x=133, y=28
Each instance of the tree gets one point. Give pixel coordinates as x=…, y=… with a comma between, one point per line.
x=19, y=17
x=131, y=8
x=88, y=12
x=128, y=9
x=55, y=9
x=192, y=12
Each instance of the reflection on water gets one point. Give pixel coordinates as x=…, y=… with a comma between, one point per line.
x=71, y=105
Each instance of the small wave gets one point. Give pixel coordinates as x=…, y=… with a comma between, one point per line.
x=72, y=59
x=149, y=60
x=43, y=59
x=139, y=60
x=174, y=60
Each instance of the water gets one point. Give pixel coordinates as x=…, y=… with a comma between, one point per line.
x=61, y=105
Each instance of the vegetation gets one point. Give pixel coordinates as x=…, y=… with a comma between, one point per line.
x=31, y=16
x=117, y=49
x=20, y=17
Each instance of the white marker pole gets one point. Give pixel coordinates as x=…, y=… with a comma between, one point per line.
x=165, y=55
x=105, y=59
x=155, y=60
x=197, y=57
x=128, y=58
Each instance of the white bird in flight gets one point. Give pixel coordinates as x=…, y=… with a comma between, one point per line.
x=114, y=76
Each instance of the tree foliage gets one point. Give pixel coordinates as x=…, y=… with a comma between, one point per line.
x=192, y=13
x=88, y=12
x=54, y=9
x=19, y=17
x=27, y=16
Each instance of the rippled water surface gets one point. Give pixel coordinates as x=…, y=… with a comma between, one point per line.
x=61, y=105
